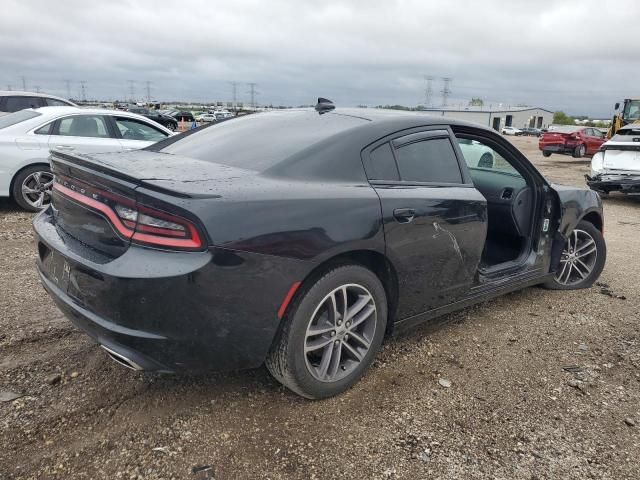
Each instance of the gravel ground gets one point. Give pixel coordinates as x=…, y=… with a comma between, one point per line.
x=534, y=385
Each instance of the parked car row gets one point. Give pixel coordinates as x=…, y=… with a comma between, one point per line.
x=27, y=136
x=167, y=121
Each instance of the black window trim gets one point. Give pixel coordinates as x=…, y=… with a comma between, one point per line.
x=413, y=135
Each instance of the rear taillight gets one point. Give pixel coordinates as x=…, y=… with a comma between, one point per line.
x=138, y=223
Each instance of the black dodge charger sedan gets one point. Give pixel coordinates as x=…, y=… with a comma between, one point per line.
x=302, y=238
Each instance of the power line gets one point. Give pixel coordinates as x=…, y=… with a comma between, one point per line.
x=132, y=89
x=253, y=92
x=428, y=91
x=83, y=90
x=234, y=88
x=446, y=91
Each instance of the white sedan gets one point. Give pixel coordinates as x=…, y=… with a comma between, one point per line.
x=27, y=136
x=511, y=131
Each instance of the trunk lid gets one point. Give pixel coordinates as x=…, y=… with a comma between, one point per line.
x=113, y=179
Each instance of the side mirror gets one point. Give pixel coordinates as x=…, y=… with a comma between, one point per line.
x=617, y=106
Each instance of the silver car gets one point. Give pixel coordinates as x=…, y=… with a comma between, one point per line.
x=27, y=136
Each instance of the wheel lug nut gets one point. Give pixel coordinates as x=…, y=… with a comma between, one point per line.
x=348, y=324
x=346, y=337
x=336, y=343
x=333, y=333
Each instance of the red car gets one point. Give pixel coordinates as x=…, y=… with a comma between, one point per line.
x=574, y=141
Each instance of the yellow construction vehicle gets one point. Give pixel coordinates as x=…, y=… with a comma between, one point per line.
x=630, y=114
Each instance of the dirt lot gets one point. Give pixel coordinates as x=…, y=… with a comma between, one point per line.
x=544, y=385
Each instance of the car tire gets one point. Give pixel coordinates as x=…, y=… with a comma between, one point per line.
x=584, y=254
x=318, y=355
x=172, y=126
x=31, y=187
x=546, y=154
x=579, y=151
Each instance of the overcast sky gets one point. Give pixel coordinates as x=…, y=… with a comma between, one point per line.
x=562, y=55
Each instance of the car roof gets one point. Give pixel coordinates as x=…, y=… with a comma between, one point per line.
x=16, y=93
x=86, y=111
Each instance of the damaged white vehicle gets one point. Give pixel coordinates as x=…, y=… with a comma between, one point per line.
x=616, y=166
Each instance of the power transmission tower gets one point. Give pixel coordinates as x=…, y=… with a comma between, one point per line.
x=148, y=91
x=428, y=91
x=446, y=91
x=24, y=83
x=37, y=88
x=253, y=92
x=132, y=90
x=234, y=88
x=68, y=83
x=83, y=90
x=9, y=86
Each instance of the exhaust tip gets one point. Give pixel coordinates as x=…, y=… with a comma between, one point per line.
x=121, y=359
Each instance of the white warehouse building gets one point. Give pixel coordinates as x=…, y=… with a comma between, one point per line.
x=497, y=118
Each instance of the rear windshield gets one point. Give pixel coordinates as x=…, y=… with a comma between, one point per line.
x=17, y=117
x=258, y=141
x=564, y=129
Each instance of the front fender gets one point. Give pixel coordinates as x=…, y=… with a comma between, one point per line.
x=575, y=204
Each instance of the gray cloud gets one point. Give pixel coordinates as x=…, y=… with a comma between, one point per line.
x=554, y=54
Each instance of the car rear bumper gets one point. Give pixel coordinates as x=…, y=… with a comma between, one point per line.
x=168, y=311
x=557, y=148
x=614, y=183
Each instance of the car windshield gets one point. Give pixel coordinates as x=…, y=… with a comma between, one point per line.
x=258, y=141
x=17, y=117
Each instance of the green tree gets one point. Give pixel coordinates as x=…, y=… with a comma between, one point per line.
x=561, y=118
x=476, y=102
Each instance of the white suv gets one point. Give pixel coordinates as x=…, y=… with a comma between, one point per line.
x=11, y=101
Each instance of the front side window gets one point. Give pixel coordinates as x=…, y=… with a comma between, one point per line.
x=479, y=156
x=83, y=126
x=17, y=103
x=131, y=129
x=432, y=160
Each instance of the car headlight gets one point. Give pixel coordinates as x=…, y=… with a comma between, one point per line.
x=597, y=163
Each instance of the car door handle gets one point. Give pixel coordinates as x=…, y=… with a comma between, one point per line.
x=404, y=215
x=64, y=147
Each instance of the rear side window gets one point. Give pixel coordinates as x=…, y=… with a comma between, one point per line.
x=46, y=130
x=432, y=160
x=14, y=104
x=381, y=165
x=52, y=102
x=83, y=126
